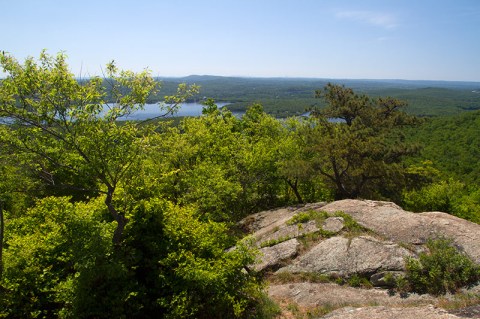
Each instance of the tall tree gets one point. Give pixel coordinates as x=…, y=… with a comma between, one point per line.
x=358, y=142
x=70, y=127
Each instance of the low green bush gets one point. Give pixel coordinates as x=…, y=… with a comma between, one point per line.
x=60, y=263
x=273, y=242
x=443, y=269
x=309, y=215
x=359, y=281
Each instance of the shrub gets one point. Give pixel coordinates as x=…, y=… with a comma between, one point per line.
x=45, y=250
x=60, y=263
x=359, y=281
x=185, y=269
x=309, y=215
x=443, y=269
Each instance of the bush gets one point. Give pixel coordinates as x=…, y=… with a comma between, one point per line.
x=440, y=196
x=307, y=216
x=44, y=252
x=60, y=263
x=199, y=276
x=443, y=269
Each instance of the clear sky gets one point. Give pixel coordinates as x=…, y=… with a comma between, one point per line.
x=355, y=39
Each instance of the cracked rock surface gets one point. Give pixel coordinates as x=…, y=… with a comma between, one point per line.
x=328, y=247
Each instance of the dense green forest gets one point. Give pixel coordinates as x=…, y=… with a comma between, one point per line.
x=283, y=97
x=109, y=219
x=449, y=156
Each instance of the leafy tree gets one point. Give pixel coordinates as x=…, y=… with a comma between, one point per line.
x=225, y=165
x=231, y=167
x=360, y=155
x=257, y=160
x=295, y=163
x=69, y=128
x=197, y=156
x=447, y=180
x=452, y=144
x=448, y=196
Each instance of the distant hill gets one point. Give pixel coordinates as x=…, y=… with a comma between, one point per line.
x=292, y=96
x=354, y=83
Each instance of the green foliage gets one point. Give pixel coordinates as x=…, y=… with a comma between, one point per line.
x=360, y=156
x=350, y=225
x=295, y=164
x=452, y=144
x=448, y=180
x=304, y=217
x=273, y=242
x=283, y=97
x=449, y=196
x=69, y=129
x=45, y=250
x=267, y=308
x=207, y=281
x=231, y=167
x=443, y=269
x=15, y=181
x=359, y=281
x=171, y=256
x=60, y=263
x=435, y=197
x=354, y=280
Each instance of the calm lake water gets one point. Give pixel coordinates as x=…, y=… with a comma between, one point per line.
x=153, y=110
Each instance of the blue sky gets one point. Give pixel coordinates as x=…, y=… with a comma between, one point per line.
x=355, y=39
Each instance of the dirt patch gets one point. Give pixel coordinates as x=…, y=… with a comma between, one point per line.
x=312, y=295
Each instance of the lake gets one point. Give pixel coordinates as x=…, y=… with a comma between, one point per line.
x=153, y=110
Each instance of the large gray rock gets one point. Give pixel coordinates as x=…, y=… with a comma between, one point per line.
x=267, y=222
x=289, y=231
x=272, y=256
x=333, y=224
x=344, y=257
x=390, y=221
x=423, y=312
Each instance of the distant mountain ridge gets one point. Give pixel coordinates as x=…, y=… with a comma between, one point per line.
x=354, y=83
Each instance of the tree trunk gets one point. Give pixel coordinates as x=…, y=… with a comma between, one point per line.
x=294, y=187
x=119, y=218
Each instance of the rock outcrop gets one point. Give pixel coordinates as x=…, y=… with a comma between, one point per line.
x=344, y=257
x=392, y=222
x=271, y=256
x=325, y=244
